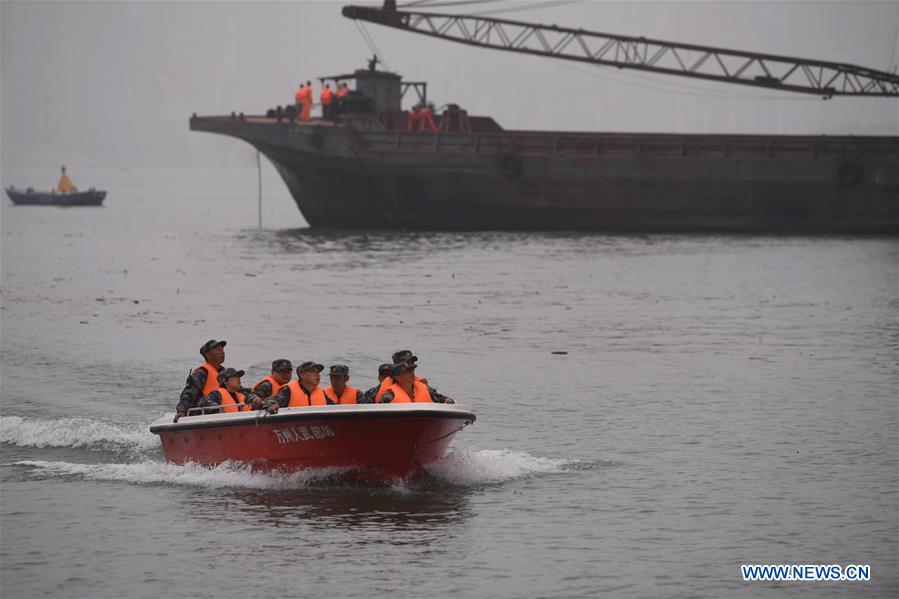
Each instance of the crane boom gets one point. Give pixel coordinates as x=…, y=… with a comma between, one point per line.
x=687, y=60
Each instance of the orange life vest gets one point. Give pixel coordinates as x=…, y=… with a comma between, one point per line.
x=299, y=96
x=276, y=386
x=298, y=397
x=212, y=374
x=326, y=96
x=387, y=383
x=342, y=91
x=350, y=395
x=420, y=392
x=426, y=120
x=228, y=401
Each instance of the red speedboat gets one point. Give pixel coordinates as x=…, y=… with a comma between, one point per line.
x=371, y=441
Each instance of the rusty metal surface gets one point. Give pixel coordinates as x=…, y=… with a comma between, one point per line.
x=343, y=175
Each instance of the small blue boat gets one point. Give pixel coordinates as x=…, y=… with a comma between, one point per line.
x=65, y=194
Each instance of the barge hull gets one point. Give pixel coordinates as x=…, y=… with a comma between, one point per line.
x=341, y=177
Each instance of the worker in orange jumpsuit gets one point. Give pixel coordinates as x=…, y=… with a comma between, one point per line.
x=307, y=101
x=413, y=119
x=426, y=119
x=298, y=98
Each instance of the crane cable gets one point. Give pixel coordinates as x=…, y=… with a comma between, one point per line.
x=437, y=4
x=894, y=50
x=427, y=4
x=363, y=31
x=680, y=89
x=528, y=6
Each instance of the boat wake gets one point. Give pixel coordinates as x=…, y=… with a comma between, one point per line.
x=83, y=433
x=467, y=467
x=463, y=467
x=222, y=476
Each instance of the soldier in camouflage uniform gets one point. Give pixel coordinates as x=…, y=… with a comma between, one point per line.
x=407, y=370
x=383, y=372
x=404, y=356
x=229, y=382
x=282, y=372
x=214, y=353
x=199, y=383
x=304, y=390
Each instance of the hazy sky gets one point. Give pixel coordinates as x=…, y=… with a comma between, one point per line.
x=112, y=84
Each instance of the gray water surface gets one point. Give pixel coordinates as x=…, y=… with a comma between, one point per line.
x=723, y=400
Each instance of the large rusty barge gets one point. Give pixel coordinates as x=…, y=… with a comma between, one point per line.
x=364, y=171
x=364, y=167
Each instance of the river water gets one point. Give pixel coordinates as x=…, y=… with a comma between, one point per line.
x=724, y=400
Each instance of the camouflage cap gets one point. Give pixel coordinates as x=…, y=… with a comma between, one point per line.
x=404, y=355
x=402, y=367
x=228, y=373
x=210, y=344
x=281, y=365
x=307, y=366
x=339, y=370
x=385, y=368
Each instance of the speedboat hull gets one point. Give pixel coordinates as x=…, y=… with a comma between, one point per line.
x=368, y=441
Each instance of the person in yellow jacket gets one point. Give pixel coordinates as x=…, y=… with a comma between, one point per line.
x=339, y=392
x=65, y=184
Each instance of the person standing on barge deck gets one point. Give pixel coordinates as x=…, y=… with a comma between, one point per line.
x=326, y=97
x=307, y=101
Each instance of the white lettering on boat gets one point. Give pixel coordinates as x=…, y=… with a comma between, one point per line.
x=302, y=433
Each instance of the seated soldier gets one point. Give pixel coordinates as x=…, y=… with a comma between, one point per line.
x=229, y=395
x=282, y=372
x=384, y=371
x=404, y=355
x=303, y=391
x=339, y=392
x=202, y=379
x=406, y=389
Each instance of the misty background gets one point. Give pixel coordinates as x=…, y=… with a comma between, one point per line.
x=113, y=84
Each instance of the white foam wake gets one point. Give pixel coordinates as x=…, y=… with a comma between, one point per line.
x=76, y=432
x=461, y=467
x=227, y=475
x=467, y=467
